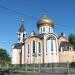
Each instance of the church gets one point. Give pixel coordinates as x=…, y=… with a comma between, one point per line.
x=44, y=47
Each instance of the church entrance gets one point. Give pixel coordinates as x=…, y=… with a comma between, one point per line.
x=51, y=49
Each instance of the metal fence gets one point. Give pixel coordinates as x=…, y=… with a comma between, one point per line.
x=38, y=69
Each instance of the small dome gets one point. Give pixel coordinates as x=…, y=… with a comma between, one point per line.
x=45, y=21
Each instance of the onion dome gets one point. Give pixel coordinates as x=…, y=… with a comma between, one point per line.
x=44, y=21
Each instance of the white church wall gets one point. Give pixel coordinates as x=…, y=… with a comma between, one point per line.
x=23, y=54
x=14, y=56
x=37, y=59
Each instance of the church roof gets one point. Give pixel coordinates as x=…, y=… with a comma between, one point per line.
x=18, y=46
x=64, y=44
x=22, y=26
x=40, y=36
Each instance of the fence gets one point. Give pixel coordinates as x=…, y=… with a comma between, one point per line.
x=38, y=69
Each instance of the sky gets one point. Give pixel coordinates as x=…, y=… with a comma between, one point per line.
x=62, y=12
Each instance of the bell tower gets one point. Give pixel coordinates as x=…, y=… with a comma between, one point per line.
x=21, y=33
x=21, y=39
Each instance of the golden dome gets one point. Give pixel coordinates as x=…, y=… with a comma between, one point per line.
x=45, y=21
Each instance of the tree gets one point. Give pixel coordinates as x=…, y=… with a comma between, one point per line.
x=72, y=39
x=4, y=57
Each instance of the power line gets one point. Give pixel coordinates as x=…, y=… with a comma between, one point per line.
x=14, y=11
x=23, y=14
x=65, y=26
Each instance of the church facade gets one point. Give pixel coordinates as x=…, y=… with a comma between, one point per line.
x=45, y=47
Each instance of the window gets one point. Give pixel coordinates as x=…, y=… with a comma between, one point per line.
x=49, y=29
x=39, y=47
x=67, y=48
x=70, y=48
x=23, y=35
x=33, y=46
x=28, y=49
x=51, y=45
x=63, y=48
x=43, y=29
x=51, y=53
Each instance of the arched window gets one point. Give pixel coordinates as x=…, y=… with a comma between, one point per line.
x=43, y=29
x=39, y=47
x=51, y=45
x=49, y=29
x=28, y=49
x=33, y=46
